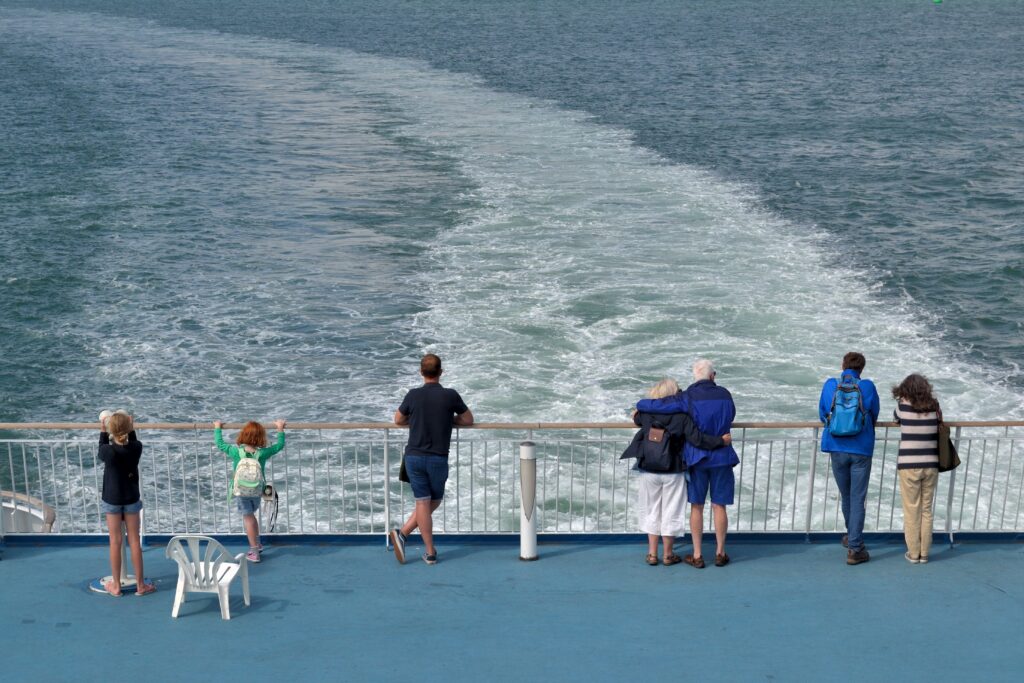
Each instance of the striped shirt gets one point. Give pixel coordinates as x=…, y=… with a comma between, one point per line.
x=919, y=432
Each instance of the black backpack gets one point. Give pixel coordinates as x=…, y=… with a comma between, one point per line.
x=656, y=449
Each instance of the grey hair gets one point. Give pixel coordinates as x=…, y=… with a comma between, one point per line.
x=703, y=369
x=666, y=387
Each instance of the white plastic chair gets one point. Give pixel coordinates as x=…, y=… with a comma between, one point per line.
x=205, y=570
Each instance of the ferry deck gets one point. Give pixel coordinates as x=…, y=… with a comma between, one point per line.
x=589, y=609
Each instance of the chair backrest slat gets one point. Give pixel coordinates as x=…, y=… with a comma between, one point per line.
x=201, y=566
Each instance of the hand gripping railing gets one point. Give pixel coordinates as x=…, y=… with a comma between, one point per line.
x=341, y=478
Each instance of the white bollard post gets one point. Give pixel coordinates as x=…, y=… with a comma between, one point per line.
x=527, y=501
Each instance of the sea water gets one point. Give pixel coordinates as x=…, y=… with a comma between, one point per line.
x=262, y=209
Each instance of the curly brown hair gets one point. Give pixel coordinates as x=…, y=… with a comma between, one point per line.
x=252, y=434
x=917, y=391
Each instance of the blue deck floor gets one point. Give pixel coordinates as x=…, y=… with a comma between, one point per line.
x=781, y=611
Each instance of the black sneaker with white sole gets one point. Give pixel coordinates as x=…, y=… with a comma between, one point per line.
x=430, y=559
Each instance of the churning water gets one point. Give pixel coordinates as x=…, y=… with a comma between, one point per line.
x=274, y=211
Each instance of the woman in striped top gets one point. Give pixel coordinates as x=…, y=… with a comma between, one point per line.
x=918, y=415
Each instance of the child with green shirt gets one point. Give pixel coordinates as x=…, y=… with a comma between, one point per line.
x=251, y=443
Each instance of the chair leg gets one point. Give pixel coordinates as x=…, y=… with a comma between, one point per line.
x=245, y=590
x=225, y=602
x=179, y=597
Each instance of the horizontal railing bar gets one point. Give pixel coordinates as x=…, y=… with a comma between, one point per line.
x=484, y=426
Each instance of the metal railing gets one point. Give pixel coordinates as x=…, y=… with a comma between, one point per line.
x=343, y=479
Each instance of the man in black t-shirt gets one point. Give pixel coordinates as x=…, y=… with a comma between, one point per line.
x=430, y=411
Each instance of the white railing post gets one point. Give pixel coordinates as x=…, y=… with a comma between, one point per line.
x=387, y=491
x=125, y=551
x=810, y=487
x=952, y=485
x=528, y=501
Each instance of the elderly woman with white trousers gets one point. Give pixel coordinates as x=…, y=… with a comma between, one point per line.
x=658, y=447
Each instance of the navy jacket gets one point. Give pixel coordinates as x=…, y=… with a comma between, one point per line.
x=712, y=410
x=121, y=471
x=858, y=444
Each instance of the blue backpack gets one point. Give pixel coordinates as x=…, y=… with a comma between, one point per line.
x=847, y=416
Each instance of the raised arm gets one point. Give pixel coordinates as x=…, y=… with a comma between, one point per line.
x=276, y=447
x=218, y=437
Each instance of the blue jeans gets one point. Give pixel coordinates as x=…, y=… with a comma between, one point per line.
x=852, y=473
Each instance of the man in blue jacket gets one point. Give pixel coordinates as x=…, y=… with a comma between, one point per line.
x=851, y=455
x=713, y=411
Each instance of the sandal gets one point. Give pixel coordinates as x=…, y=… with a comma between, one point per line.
x=695, y=562
x=671, y=560
x=108, y=585
x=145, y=589
x=721, y=560
x=652, y=560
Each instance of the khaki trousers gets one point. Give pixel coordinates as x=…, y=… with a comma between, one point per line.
x=917, y=487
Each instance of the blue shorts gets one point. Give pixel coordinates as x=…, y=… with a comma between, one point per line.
x=721, y=480
x=130, y=509
x=427, y=476
x=247, y=506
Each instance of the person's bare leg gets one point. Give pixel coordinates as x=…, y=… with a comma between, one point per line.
x=652, y=544
x=252, y=530
x=114, y=529
x=425, y=522
x=412, y=523
x=667, y=543
x=135, y=544
x=697, y=528
x=721, y=526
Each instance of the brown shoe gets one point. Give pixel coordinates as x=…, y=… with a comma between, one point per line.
x=721, y=560
x=696, y=562
x=671, y=560
x=845, y=540
x=652, y=560
x=857, y=556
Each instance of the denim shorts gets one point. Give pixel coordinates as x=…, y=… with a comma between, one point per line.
x=247, y=506
x=130, y=509
x=720, y=480
x=427, y=476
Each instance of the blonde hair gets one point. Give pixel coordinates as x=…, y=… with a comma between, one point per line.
x=666, y=387
x=119, y=424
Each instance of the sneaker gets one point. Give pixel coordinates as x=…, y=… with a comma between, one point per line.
x=398, y=543
x=912, y=560
x=857, y=556
x=923, y=559
x=253, y=555
x=430, y=559
x=845, y=540
x=259, y=548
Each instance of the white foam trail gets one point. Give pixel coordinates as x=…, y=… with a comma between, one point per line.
x=588, y=267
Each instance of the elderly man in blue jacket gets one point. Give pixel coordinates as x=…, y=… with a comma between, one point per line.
x=851, y=454
x=713, y=411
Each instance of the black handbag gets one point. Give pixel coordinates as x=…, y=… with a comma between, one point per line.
x=948, y=457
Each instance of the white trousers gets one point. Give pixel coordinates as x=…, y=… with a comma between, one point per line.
x=661, y=503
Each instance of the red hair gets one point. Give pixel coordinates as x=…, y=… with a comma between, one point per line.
x=252, y=434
